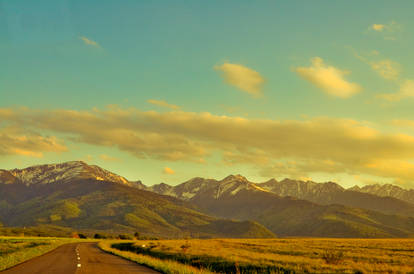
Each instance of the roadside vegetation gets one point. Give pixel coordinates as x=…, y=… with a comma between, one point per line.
x=164, y=266
x=15, y=250
x=18, y=244
x=308, y=255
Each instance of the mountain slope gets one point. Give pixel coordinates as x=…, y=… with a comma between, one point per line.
x=332, y=193
x=71, y=195
x=236, y=197
x=387, y=190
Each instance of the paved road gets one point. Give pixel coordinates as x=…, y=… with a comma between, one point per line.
x=64, y=260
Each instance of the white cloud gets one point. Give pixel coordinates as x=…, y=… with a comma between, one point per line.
x=108, y=158
x=162, y=103
x=330, y=79
x=15, y=140
x=406, y=91
x=243, y=78
x=388, y=31
x=89, y=42
x=387, y=69
x=168, y=171
x=378, y=27
x=297, y=147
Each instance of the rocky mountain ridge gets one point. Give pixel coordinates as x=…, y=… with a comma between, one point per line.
x=321, y=193
x=63, y=172
x=79, y=195
x=387, y=190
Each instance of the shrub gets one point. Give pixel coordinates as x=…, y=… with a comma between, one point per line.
x=99, y=236
x=332, y=257
x=124, y=237
x=185, y=247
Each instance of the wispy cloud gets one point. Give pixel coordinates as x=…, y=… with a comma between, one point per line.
x=388, y=31
x=89, y=42
x=243, y=78
x=162, y=103
x=386, y=68
x=87, y=158
x=389, y=70
x=378, y=27
x=168, y=171
x=108, y=158
x=328, y=78
x=406, y=91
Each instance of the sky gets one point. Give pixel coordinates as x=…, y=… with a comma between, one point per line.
x=163, y=91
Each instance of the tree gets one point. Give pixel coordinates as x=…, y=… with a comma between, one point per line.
x=99, y=236
x=124, y=237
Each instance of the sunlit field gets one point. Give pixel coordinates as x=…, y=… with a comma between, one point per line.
x=14, y=250
x=283, y=255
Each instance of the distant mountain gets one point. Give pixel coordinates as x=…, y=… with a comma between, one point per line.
x=387, y=190
x=332, y=193
x=65, y=172
x=199, y=188
x=236, y=197
x=160, y=189
x=81, y=196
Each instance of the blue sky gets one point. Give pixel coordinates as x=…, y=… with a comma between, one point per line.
x=252, y=60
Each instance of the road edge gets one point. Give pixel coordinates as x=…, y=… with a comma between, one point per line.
x=38, y=256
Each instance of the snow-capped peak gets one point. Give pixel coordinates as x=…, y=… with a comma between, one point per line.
x=232, y=178
x=233, y=184
x=64, y=172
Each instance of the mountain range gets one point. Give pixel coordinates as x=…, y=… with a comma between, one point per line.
x=82, y=196
x=332, y=193
x=86, y=197
x=387, y=190
x=236, y=197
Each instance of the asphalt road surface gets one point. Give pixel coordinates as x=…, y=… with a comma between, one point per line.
x=79, y=258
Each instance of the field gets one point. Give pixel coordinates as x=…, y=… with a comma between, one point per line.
x=14, y=250
x=281, y=255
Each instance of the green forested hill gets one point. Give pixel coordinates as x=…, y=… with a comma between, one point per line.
x=91, y=204
x=292, y=217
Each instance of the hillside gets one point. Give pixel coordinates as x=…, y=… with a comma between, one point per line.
x=78, y=200
x=236, y=197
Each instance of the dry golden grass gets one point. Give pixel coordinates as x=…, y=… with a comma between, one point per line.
x=164, y=266
x=299, y=255
x=14, y=250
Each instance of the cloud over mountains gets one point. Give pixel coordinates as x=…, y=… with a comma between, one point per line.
x=284, y=146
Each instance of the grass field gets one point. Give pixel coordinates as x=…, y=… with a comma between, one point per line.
x=164, y=266
x=14, y=250
x=281, y=255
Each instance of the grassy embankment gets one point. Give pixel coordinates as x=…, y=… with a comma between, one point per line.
x=14, y=250
x=275, y=255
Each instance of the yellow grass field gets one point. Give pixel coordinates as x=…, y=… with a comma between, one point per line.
x=304, y=255
x=14, y=250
